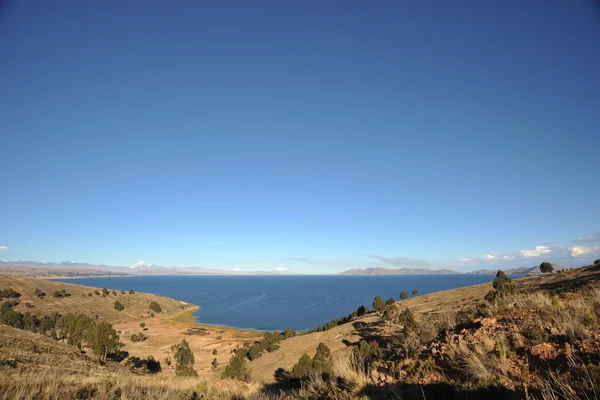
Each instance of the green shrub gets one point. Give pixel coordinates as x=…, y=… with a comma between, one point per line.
x=390, y=301
x=184, y=358
x=153, y=365
x=415, y=293
x=503, y=284
x=154, y=306
x=378, y=304
x=237, y=368
x=118, y=306
x=142, y=324
x=535, y=334
x=403, y=296
x=9, y=293
x=546, y=267
x=140, y=337
x=303, y=367
x=214, y=363
x=103, y=339
x=288, y=333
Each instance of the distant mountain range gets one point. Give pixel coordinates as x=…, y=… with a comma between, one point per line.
x=398, y=271
x=519, y=271
x=425, y=271
x=139, y=268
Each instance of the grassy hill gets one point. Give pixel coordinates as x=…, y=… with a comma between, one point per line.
x=540, y=342
x=80, y=301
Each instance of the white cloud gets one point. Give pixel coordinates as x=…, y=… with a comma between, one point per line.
x=281, y=269
x=4, y=247
x=538, y=251
x=583, y=251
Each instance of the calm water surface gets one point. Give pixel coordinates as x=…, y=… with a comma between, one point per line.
x=279, y=302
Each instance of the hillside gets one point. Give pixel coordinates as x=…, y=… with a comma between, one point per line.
x=427, y=346
x=80, y=301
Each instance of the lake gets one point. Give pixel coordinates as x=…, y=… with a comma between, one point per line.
x=279, y=302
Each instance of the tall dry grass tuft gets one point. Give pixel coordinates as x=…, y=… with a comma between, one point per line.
x=351, y=370
x=480, y=362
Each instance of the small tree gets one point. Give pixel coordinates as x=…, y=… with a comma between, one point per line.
x=154, y=306
x=118, y=306
x=215, y=363
x=288, y=333
x=322, y=359
x=362, y=310
x=215, y=352
x=237, y=366
x=184, y=357
x=415, y=293
x=105, y=292
x=131, y=291
x=503, y=284
x=546, y=267
x=403, y=296
x=103, y=339
x=390, y=301
x=378, y=304
x=303, y=367
x=142, y=324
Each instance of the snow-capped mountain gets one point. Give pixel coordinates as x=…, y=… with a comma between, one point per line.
x=142, y=264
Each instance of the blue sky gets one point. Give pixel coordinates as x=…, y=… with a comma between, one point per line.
x=314, y=136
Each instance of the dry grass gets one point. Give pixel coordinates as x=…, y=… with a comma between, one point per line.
x=482, y=361
x=351, y=370
x=136, y=305
x=57, y=385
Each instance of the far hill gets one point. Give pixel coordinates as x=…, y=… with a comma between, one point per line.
x=86, y=300
x=519, y=271
x=398, y=271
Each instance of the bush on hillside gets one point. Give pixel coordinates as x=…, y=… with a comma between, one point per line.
x=118, y=306
x=378, y=304
x=184, y=359
x=390, y=301
x=237, y=368
x=60, y=294
x=403, y=296
x=546, y=267
x=9, y=293
x=39, y=293
x=103, y=339
x=140, y=337
x=154, y=306
x=415, y=293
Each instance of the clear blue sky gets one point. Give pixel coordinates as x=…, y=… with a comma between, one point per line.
x=311, y=135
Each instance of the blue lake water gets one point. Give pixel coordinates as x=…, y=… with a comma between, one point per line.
x=279, y=302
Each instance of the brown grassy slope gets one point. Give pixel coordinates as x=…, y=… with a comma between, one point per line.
x=33, y=366
x=342, y=336
x=429, y=305
x=136, y=305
